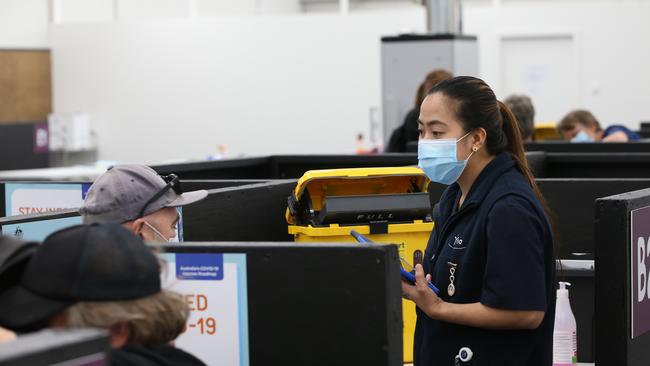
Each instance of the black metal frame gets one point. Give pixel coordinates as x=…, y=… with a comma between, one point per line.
x=613, y=335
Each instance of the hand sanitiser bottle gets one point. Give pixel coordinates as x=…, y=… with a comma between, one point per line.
x=565, y=347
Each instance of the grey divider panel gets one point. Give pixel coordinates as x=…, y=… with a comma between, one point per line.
x=614, y=276
x=245, y=213
x=50, y=347
x=568, y=147
x=319, y=304
x=196, y=184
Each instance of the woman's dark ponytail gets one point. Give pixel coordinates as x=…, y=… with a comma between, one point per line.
x=477, y=107
x=515, y=146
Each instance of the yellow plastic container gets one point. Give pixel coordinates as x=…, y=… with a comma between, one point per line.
x=547, y=131
x=411, y=237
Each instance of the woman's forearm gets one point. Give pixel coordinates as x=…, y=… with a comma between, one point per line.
x=481, y=316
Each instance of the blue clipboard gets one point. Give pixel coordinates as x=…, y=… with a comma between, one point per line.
x=410, y=277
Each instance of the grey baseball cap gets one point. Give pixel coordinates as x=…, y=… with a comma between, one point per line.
x=120, y=194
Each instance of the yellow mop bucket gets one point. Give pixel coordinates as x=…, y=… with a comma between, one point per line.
x=387, y=205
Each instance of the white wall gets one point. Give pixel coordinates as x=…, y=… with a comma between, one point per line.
x=611, y=38
x=24, y=24
x=304, y=83
x=161, y=90
x=85, y=11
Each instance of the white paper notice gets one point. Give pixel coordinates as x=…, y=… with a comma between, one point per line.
x=214, y=286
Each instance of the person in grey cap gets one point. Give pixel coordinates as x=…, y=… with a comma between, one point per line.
x=139, y=199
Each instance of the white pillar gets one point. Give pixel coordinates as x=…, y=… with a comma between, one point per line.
x=344, y=6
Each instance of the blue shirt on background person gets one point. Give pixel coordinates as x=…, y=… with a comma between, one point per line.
x=611, y=130
x=581, y=126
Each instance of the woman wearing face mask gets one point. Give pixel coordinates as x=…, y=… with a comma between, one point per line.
x=491, y=252
x=581, y=126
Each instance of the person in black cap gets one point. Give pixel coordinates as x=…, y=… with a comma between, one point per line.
x=100, y=276
x=139, y=199
x=14, y=253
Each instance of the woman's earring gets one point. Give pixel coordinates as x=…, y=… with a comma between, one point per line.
x=475, y=149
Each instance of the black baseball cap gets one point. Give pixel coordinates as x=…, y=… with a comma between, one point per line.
x=99, y=262
x=13, y=251
x=14, y=255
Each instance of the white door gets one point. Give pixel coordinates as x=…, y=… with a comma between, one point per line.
x=545, y=68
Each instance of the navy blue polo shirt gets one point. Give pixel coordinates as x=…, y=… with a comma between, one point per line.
x=631, y=136
x=500, y=244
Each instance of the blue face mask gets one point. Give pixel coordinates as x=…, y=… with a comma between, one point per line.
x=582, y=136
x=438, y=160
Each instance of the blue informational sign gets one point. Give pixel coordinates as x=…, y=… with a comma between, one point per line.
x=203, y=267
x=215, y=288
x=34, y=198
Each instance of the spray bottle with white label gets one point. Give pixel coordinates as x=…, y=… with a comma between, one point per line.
x=565, y=348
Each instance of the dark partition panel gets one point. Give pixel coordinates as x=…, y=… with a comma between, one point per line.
x=17, y=147
x=294, y=166
x=245, y=213
x=308, y=304
x=597, y=165
x=596, y=147
x=622, y=301
x=281, y=166
x=537, y=163
x=571, y=202
x=245, y=168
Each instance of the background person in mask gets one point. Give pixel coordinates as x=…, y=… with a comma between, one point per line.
x=139, y=199
x=581, y=126
x=491, y=252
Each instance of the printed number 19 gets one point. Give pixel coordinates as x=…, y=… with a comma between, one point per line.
x=207, y=325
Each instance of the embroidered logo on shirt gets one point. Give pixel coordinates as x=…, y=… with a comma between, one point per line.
x=458, y=243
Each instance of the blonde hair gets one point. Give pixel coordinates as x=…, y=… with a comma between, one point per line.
x=155, y=319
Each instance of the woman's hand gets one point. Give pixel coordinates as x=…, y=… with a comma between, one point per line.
x=421, y=294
